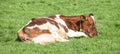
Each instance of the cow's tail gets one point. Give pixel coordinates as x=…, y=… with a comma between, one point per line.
x=22, y=36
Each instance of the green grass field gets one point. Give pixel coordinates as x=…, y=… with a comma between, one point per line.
x=16, y=13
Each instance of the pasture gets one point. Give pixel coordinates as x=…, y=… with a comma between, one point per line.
x=16, y=13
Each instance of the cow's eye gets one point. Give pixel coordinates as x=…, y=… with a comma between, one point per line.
x=90, y=24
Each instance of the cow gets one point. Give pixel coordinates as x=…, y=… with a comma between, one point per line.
x=57, y=28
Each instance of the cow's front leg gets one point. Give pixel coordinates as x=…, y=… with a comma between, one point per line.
x=72, y=33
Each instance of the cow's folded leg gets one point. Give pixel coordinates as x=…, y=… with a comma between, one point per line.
x=59, y=38
x=82, y=34
x=77, y=34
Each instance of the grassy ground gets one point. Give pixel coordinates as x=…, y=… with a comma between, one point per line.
x=16, y=13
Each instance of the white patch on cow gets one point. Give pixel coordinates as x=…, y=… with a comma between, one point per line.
x=24, y=26
x=72, y=33
x=55, y=32
x=59, y=20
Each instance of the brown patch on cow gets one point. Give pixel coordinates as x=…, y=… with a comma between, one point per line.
x=72, y=21
x=37, y=21
x=71, y=25
x=35, y=32
x=40, y=21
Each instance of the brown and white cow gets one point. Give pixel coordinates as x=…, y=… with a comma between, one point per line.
x=57, y=28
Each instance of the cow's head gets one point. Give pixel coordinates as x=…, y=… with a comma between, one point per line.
x=88, y=25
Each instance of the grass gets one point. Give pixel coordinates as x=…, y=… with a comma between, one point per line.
x=16, y=13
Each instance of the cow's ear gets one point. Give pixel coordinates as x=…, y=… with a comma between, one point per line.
x=83, y=18
x=91, y=14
